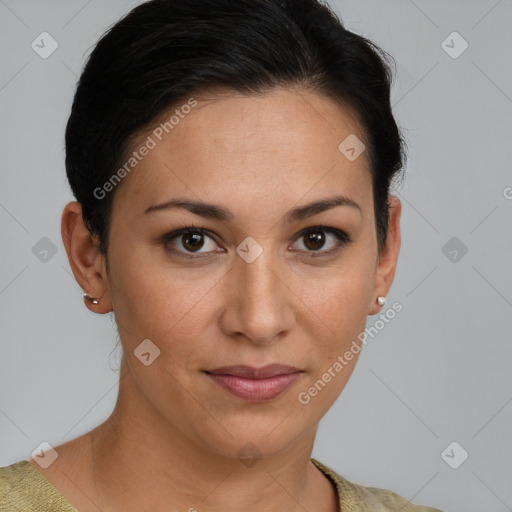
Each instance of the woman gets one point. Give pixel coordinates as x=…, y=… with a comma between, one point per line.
x=232, y=164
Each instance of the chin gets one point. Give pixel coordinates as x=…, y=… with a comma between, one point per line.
x=248, y=436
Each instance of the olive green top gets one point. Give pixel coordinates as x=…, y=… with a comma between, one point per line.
x=24, y=489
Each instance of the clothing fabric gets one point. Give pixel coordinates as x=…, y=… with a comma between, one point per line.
x=24, y=489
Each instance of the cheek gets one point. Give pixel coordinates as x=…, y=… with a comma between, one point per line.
x=341, y=303
x=340, y=296
x=158, y=303
x=162, y=302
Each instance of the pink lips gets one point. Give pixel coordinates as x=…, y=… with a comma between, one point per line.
x=255, y=384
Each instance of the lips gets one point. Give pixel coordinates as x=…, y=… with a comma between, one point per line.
x=255, y=384
x=250, y=372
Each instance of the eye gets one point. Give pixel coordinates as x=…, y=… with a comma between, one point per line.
x=188, y=241
x=315, y=238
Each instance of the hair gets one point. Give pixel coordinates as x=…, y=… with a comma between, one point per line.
x=164, y=51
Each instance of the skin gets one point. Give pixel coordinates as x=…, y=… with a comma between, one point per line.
x=171, y=442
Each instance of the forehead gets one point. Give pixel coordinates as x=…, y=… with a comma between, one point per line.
x=285, y=143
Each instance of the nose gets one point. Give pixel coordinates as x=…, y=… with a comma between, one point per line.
x=260, y=305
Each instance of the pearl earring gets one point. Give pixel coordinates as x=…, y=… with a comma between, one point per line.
x=90, y=299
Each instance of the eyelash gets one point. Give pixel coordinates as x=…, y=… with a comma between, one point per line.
x=342, y=239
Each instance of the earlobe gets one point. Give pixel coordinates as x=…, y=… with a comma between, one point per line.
x=85, y=259
x=386, y=266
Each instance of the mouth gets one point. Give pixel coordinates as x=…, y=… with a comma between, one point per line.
x=255, y=384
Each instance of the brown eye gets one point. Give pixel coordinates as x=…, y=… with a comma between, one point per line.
x=185, y=242
x=316, y=237
x=192, y=241
x=314, y=241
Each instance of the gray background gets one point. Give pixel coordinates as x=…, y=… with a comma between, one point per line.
x=438, y=373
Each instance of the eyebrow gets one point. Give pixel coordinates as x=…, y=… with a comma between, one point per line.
x=215, y=212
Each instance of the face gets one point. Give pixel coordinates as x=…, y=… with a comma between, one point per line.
x=249, y=287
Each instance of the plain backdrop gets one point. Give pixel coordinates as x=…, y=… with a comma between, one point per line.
x=432, y=388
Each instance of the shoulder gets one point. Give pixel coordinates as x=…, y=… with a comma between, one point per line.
x=385, y=500
x=24, y=489
x=358, y=498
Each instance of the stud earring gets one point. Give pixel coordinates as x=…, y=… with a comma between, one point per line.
x=381, y=300
x=90, y=299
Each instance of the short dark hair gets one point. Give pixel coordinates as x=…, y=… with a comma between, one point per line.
x=164, y=51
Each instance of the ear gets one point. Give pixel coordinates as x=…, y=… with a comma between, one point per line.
x=85, y=259
x=386, y=265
